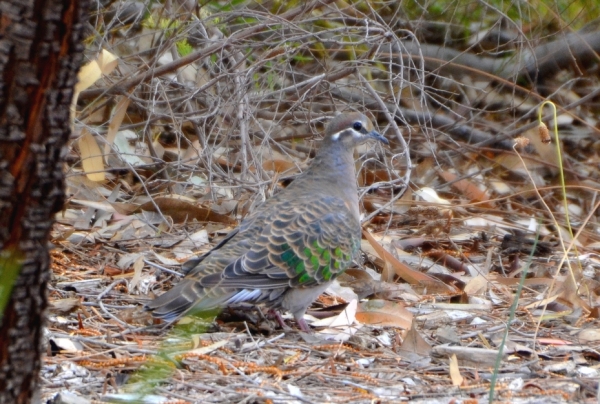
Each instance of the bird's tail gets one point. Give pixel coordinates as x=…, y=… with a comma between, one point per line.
x=185, y=296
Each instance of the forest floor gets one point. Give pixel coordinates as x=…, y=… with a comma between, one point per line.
x=478, y=269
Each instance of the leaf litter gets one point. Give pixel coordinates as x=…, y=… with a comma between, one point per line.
x=161, y=172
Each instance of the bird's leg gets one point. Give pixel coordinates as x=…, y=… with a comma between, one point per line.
x=301, y=322
x=274, y=313
x=303, y=326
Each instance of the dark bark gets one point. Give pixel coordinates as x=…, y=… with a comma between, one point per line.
x=40, y=54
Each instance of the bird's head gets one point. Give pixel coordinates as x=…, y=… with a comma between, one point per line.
x=352, y=130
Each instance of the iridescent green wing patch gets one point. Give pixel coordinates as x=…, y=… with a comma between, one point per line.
x=307, y=244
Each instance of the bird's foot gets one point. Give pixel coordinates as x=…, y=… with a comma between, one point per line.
x=303, y=325
x=301, y=322
x=275, y=314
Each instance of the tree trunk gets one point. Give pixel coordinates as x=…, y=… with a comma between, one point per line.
x=40, y=55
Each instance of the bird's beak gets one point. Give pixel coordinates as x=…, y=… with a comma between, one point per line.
x=377, y=136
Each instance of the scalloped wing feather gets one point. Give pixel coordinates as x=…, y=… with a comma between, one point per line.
x=299, y=245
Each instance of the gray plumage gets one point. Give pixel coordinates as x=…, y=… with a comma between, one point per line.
x=289, y=249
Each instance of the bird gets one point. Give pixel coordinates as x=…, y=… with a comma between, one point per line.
x=287, y=251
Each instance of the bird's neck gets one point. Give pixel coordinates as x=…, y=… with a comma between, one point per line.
x=336, y=163
x=336, y=169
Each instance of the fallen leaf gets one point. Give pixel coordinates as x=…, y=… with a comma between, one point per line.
x=476, y=286
x=404, y=271
x=115, y=122
x=91, y=157
x=466, y=187
x=556, y=341
x=278, y=166
x=138, y=265
x=369, y=177
x=429, y=195
x=415, y=344
x=588, y=335
x=204, y=349
x=64, y=306
x=457, y=379
x=91, y=72
x=182, y=211
x=341, y=327
x=66, y=345
x=107, y=62
x=87, y=76
x=384, y=313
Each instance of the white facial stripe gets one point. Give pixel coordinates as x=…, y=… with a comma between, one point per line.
x=355, y=134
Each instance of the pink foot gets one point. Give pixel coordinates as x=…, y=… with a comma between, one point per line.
x=279, y=319
x=303, y=326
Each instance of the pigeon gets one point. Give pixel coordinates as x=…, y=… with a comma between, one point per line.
x=289, y=249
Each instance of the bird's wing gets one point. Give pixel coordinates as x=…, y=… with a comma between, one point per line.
x=295, y=245
x=301, y=244
x=194, y=263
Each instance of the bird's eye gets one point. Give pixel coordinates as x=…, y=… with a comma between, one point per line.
x=357, y=126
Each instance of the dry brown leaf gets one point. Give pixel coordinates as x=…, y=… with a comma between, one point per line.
x=182, y=211
x=358, y=274
x=113, y=271
x=457, y=379
x=87, y=76
x=415, y=344
x=546, y=151
x=203, y=350
x=91, y=157
x=92, y=71
x=569, y=293
x=360, y=282
x=64, y=306
x=441, y=257
x=192, y=151
x=138, y=265
x=476, y=286
x=554, y=341
x=467, y=188
x=402, y=270
x=124, y=208
x=541, y=303
x=278, y=166
x=101, y=205
x=387, y=274
x=107, y=62
x=372, y=202
x=513, y=163
x=384, y=313
x=588, y=335
x=115, y=122
x=368, y=177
